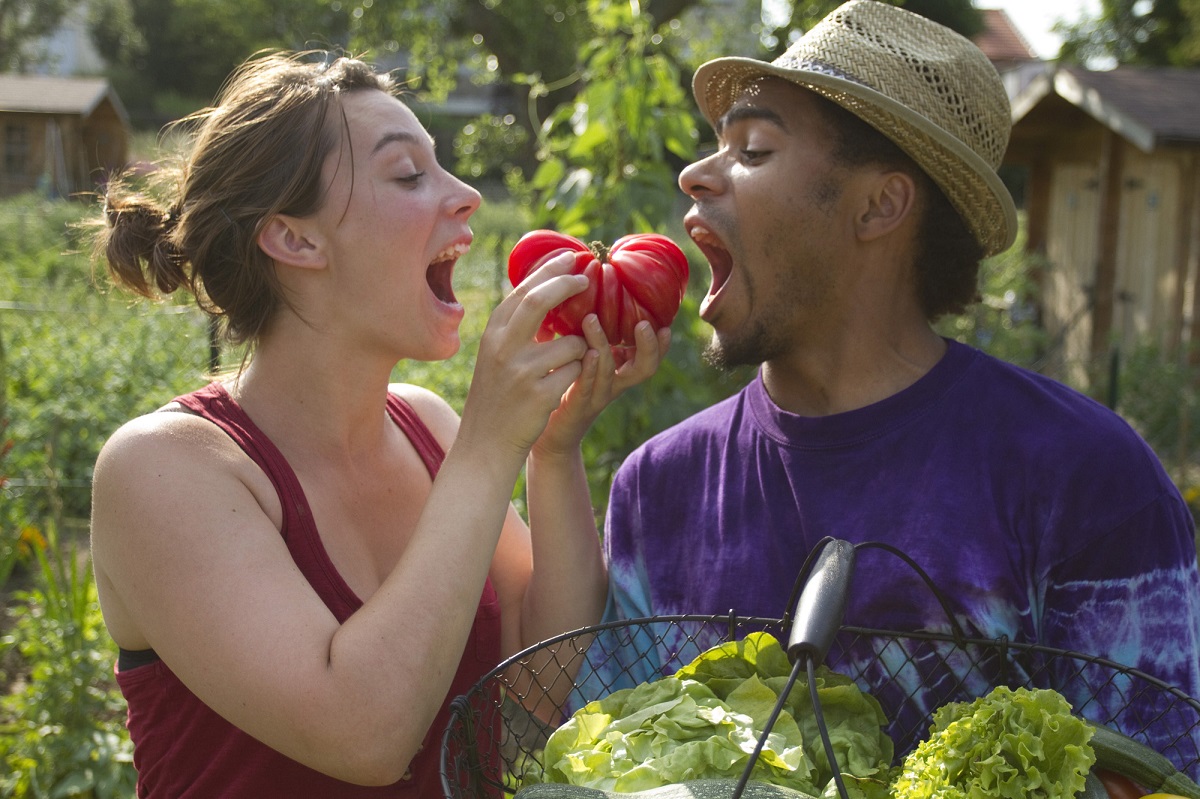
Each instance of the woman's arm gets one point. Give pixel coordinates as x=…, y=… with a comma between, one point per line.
x=569, y=582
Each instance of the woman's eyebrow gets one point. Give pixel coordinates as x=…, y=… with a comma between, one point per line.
x=399, y=136
x=741, y=113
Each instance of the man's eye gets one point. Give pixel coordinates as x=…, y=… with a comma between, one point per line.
x=754, y=155
x=412, y=179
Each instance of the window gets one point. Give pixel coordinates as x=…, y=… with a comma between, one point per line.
x=16, y=149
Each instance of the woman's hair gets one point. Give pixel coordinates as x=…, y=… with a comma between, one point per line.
x=947, y=256
x=258, y=152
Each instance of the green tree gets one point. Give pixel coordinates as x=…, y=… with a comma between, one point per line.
x=1136, y=32
x=605, y=157
x=22, y=24
x=170, y=57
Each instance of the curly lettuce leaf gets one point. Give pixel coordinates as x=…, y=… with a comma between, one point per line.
x=1009, y=744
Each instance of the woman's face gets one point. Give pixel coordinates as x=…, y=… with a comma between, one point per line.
x=393, y=223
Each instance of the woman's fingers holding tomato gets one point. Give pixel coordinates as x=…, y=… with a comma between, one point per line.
x=641, y=362
x=596, y=381
x=549, y=285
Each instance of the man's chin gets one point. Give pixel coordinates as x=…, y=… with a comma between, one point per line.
x=720, y=355
x=751, y=347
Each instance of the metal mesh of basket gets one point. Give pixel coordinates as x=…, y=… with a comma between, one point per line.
x=491, y=737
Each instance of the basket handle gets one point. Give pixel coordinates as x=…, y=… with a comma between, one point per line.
x=822, y=603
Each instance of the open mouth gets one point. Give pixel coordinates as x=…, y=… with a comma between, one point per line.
x=714, y=251
x=440, y=271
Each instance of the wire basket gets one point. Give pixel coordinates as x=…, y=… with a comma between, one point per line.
x=500, y=726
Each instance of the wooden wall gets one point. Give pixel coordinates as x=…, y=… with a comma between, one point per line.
x=1120, y=231
x=74, y=153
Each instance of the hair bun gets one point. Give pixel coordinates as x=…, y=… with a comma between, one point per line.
x=141, y=253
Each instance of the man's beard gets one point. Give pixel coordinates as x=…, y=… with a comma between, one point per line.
x=755, y=346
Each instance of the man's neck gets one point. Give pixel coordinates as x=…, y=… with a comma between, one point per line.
x=827, y=380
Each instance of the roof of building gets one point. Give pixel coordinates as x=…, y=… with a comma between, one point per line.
x=1147, y=105
x=1000, y=40
x=43, y=94
x=1162, y=98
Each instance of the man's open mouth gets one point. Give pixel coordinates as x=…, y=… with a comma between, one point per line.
x=714, y=251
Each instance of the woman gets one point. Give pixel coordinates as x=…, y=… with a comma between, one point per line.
x=294, y=595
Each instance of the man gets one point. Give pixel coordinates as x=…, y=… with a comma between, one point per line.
x=853, y=194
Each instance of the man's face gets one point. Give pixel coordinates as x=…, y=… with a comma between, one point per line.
x=771, y=216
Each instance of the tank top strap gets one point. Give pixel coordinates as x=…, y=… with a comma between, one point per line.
x=299, y=529
x=214, y=403
x=422, y=438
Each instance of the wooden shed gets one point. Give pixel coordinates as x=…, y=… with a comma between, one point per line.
x=60, y=135
x=1112, y=197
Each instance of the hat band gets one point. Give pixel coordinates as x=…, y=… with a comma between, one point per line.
x=821, y=68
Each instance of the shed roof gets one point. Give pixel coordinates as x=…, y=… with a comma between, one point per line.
x=1000, y=40
x=1148, y=106
x=43, y=94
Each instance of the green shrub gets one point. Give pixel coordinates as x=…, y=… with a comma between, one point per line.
x=62, y=727
x=1004, y=322
x=77, y=362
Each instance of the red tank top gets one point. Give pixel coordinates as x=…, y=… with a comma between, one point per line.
x=184, y=749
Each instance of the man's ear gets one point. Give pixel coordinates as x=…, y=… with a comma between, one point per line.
x=892, y=201
x=287, y=240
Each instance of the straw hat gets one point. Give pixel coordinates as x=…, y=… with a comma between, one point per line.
x=928, y=89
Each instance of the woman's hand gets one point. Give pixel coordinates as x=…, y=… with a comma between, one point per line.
x=519, y=381
x=607, y=372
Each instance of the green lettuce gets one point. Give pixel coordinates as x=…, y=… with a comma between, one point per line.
x=1007, y=744
x=704, y=722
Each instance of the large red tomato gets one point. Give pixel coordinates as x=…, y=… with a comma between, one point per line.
x=642, y=276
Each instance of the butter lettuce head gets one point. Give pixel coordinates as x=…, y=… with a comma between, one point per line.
x=704, y=722
x=1009, y=743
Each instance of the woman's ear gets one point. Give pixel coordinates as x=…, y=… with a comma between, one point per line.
x=287, y=240
x=891, y=202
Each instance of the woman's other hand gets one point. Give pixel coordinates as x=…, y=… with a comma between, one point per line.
x=606, y=373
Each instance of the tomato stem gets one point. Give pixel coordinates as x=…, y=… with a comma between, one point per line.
x=600, y=251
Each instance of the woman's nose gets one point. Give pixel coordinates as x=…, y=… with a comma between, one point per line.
x=466, y=199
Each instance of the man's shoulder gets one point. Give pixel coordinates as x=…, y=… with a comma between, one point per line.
x=1033, y=396
x=1036, y=413
x=715, y=422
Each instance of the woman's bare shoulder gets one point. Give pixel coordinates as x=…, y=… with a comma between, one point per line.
x=168, y=432
x=164, y=459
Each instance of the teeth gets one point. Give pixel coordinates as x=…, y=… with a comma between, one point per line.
x=451, y=253
x=702, y=235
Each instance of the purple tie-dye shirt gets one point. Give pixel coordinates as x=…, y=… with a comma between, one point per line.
x=1038, y=512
